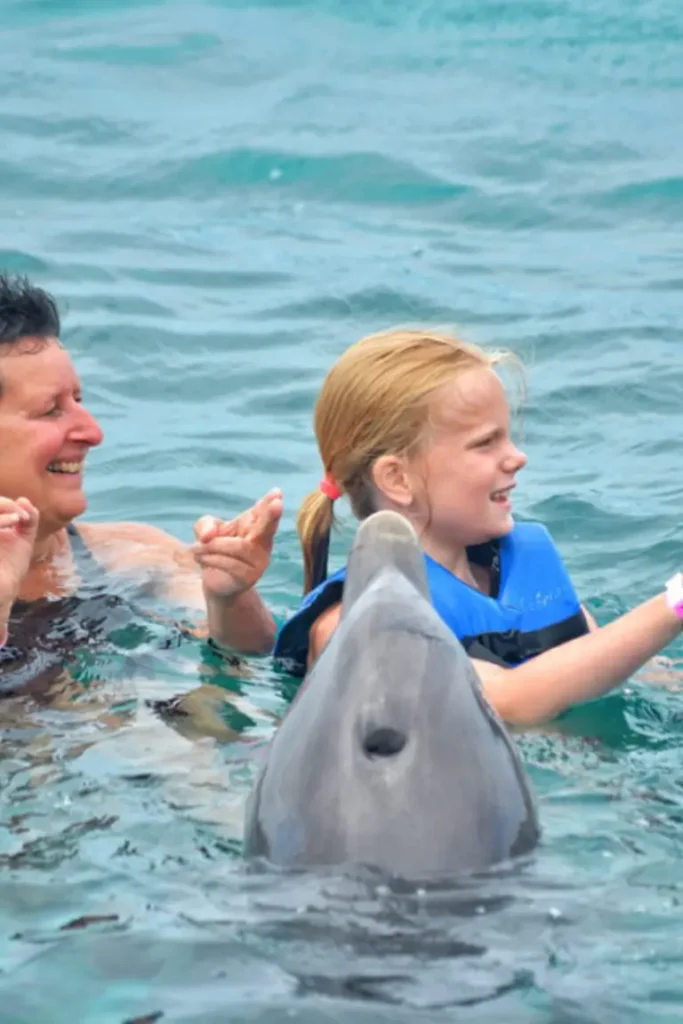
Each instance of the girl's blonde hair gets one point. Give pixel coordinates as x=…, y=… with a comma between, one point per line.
x=373, y=402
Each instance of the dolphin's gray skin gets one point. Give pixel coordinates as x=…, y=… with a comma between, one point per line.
x=390, y=757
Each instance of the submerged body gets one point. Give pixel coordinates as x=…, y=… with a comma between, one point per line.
x=390, y=756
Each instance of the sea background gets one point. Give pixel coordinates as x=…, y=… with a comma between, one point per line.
x=222, y=196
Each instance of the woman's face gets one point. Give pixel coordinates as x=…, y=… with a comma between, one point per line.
x=45, y=432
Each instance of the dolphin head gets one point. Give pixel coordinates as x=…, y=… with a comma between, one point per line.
x=390, y=755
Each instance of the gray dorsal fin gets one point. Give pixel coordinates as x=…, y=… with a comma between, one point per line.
x=384, y=540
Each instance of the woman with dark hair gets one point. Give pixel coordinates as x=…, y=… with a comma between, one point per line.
x=63, y=584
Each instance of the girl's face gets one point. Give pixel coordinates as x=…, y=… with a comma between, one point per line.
x=463, y=478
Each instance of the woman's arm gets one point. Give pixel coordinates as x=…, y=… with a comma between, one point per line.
x=216, y=575
x=18, y=528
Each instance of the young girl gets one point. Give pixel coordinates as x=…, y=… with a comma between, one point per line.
x=418, y=422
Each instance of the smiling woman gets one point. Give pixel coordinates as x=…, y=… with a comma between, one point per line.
x=47, y=432
x=57, y=578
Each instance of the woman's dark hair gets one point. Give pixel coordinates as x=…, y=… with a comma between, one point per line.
x=26, y=311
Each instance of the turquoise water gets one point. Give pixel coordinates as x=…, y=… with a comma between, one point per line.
x=224, y=195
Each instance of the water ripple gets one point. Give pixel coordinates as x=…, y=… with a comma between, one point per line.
x=223, y=196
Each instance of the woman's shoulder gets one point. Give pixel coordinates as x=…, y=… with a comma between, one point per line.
x=126, y=544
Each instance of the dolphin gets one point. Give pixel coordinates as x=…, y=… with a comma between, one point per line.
x=390, y=756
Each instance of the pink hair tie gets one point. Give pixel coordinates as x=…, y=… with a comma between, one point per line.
x=329, y=488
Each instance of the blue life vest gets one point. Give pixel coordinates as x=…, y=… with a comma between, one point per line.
x=535, y=606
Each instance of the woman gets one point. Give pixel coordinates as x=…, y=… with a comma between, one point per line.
x=67, y=585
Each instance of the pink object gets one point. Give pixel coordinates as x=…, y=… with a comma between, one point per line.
x=329, y=488
x=674, y=594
